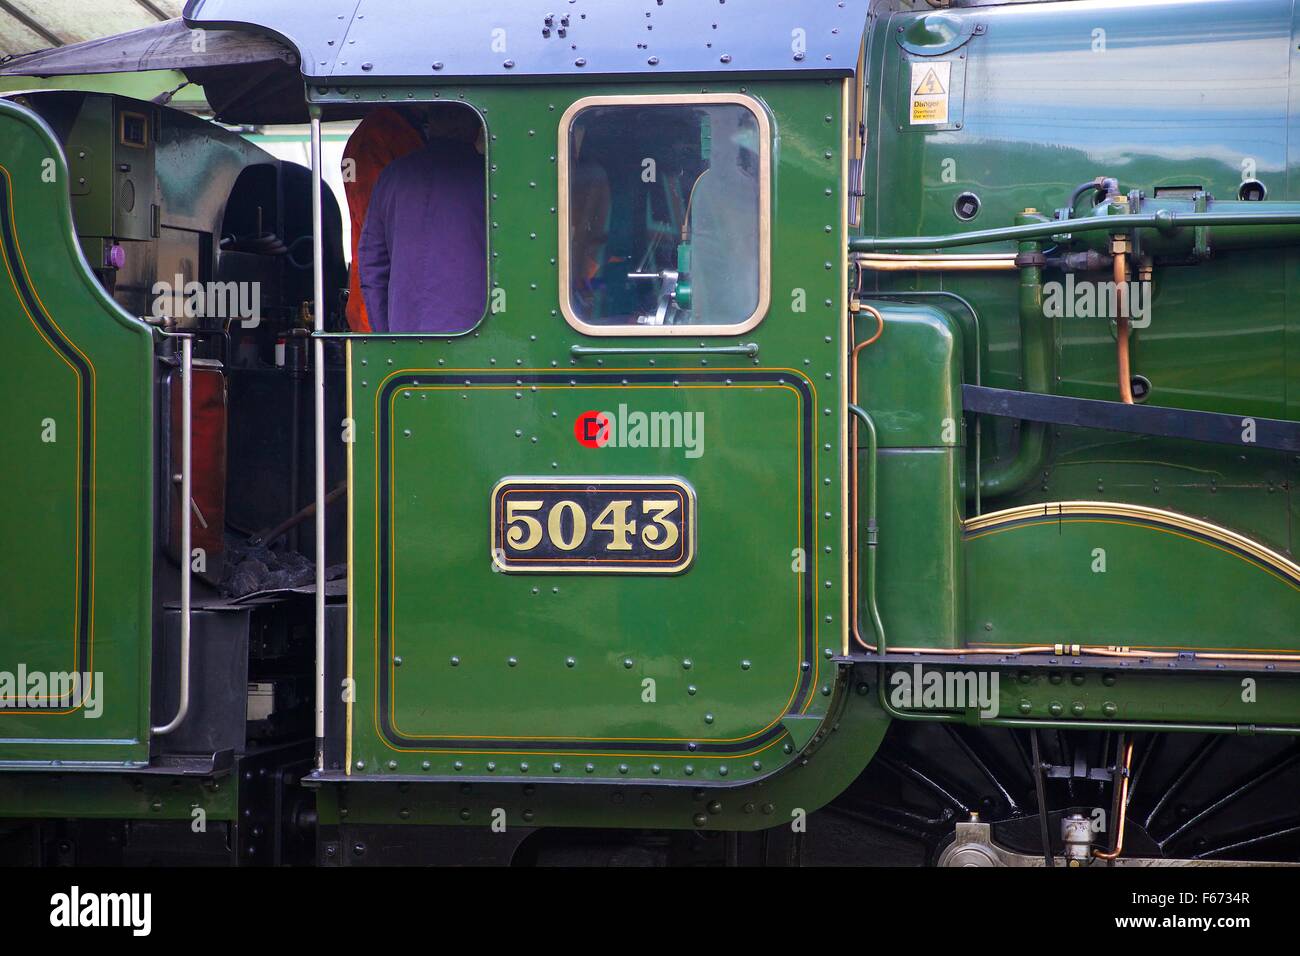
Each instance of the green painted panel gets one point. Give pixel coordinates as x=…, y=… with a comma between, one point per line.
x=77, y=380
x=758, y=614
x=1223, y=333
x=110, y=796
x=919, y=571
x=845, y=747
x=513, y=635
x=1133, y=580
x=917, y=403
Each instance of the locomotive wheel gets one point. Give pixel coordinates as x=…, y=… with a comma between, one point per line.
x=1192, y=797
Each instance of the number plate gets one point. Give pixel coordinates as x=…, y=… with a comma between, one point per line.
x=593, y=525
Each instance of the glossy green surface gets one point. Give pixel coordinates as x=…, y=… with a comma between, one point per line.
x=737, y=642
x=1157, y=101
x=1026, y=697
x=833, y=761
x=1221, y=336
x=77, y=525
x=1123, y=581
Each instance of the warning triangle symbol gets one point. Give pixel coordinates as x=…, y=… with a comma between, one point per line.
x=930, y=86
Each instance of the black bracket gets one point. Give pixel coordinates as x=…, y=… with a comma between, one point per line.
x=1242, y=431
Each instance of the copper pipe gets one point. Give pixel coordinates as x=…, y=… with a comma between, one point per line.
x=853, y=456
x=893, y=262
x=1122, y=328
x=1123, y=809
x=853, y=358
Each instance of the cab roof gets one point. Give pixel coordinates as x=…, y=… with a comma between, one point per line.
x=432, y=40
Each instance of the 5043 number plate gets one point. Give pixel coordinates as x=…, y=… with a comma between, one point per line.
x=593, y=525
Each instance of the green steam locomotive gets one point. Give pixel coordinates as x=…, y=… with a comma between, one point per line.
x=835, y=431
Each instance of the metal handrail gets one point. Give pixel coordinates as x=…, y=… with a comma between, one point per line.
x=318, y=359
x=187, y=525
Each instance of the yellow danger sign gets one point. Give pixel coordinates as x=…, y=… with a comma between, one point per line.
x=930, y=86
x=931, y=81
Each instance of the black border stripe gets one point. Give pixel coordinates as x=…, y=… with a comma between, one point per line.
x=74, y=358
x=1180, y=423
x=384, y=428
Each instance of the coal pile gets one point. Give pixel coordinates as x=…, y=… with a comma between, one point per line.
x=251, y=568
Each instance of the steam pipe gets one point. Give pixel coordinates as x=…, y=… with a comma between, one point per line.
x=1037, y=337
x=1123, y=328
x=1125, y=773
x=1163, y=221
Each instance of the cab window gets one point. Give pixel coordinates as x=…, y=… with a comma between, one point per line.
x=666, y=203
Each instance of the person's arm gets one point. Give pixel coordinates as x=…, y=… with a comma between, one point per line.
x=374, y=259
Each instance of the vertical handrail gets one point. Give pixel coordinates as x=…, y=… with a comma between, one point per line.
x=318, y=359
x=187, y=525
x=873, y=533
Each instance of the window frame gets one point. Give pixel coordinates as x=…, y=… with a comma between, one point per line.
x=764, y=213
x=345, y=208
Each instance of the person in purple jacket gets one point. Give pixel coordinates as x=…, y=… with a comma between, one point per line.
x=423, y=249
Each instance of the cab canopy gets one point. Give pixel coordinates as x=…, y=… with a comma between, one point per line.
x=380, y=40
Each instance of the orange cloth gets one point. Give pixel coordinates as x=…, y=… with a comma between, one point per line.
x=383, y=136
